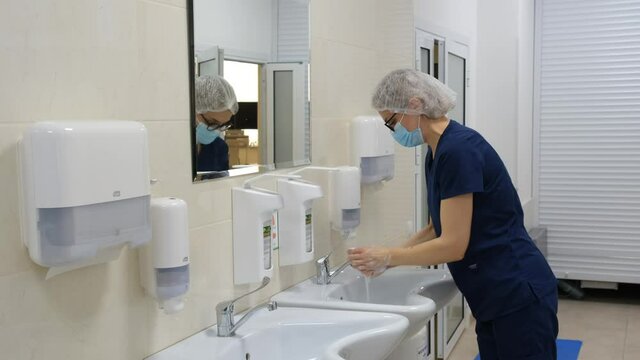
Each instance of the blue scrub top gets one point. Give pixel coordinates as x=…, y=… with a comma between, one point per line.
x=214, y=156
x=502, y=270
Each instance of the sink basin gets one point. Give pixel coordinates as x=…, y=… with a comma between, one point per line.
x=297, y=334
x=438, y=286
x=434, y=284
x=412, y=292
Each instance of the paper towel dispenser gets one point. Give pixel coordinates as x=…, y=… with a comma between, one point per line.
x=85, y=189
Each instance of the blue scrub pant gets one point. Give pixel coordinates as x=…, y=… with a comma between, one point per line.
x=526, y=334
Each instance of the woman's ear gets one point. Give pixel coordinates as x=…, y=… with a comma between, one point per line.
x=416, y=104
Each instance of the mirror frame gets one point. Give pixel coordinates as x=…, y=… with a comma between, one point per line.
x=192, y=88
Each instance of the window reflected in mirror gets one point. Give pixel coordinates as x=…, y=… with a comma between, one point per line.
x=242, y=138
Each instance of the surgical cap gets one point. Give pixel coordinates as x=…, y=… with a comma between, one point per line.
x=396, y=89
x=213, y=93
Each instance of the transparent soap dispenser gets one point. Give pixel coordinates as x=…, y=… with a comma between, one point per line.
x=164, y=262
x=345, y=200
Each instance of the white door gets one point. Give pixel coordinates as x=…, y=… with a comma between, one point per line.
x=429, y=57
x=447, y=61
x=452, y=318
x=457, y=78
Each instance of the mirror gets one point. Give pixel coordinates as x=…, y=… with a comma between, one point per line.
x=261, y=49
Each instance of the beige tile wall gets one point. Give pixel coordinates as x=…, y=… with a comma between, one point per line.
x=124, y=59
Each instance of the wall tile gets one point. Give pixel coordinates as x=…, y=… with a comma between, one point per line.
x=67, y=61
x=336, y=92
x=354, y=23
x=16, y=258
x=70, y=315
x=163, y=75
x=169, y=157
x=177, y=3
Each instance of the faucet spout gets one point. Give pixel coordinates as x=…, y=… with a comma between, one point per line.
x=271, y=305
x=225, y=311
x=338, y=270
x=323, y=274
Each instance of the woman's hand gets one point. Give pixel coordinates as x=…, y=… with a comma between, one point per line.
x=371, y=261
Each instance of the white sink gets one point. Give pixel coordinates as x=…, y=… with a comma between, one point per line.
x=389, y=288
x=438, y=286
x=297, y=334
x=412, y=292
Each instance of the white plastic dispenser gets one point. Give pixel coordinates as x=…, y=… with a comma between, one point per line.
x=164, y=262
x=344, y=189
x=345, y=200
x=295, y=220
x=85, y=191
x=372, y=149
x=252, y=236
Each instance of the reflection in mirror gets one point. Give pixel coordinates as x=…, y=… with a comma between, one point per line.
x=260, y=49
x=215, y=106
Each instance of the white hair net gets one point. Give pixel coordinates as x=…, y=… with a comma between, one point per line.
x=396, y=89
x=213, y=93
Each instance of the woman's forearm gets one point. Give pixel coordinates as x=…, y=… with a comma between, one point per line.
x=425, y=234
x=433, y=252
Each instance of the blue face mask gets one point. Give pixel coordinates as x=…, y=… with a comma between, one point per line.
x=406, y=138
x=205, y=136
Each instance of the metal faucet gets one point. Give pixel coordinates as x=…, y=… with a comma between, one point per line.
x=323, y=274
x=224, y=312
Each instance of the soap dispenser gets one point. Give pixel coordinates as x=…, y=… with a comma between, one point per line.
x=296, y=220
x=372, y=149
x=345, y=200
x=252, y=236
x=344, y=185
x=164, y=262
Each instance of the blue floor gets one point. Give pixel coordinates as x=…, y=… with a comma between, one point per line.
x=567, y=349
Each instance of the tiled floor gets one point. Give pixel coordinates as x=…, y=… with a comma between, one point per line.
x=607, y=322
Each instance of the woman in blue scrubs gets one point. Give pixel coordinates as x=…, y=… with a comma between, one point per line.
x=476, y=224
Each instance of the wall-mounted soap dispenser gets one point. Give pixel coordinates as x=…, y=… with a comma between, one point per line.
x=345, y=200
x=295, y=220
x=372, y=149
x=164, y=262
x=344, y=185
x=252, y=242
x=85, y=190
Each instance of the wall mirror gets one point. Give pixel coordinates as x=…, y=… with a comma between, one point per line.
x=261, y=48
